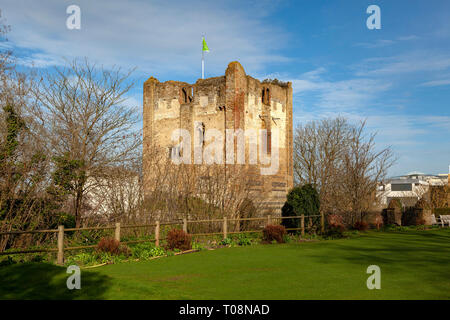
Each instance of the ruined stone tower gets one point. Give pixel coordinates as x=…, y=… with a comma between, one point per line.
x=233, y=101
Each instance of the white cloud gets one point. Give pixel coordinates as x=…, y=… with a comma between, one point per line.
x=314, y=74
x=368, y=98
x=158, y=36
x=6, y=45
x=406, y=135
x=436, y=121
x=349, y=94
x=402, y=64
x=408, y=38
x=40, y=60
x=435, y=83
x=375, y=44
x=380, y=43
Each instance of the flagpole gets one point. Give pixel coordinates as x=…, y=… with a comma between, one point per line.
x=203, y=61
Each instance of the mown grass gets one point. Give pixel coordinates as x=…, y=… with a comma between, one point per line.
x=414, y=265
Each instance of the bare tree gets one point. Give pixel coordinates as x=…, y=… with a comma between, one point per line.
x=319, y=147
x=342, y=163
x=5, y=55
x=437, y=196
x=24, y=167
x=82, y=109
x=196, y=191
x=364, y=167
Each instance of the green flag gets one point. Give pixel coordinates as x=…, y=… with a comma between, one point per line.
x=205, y=46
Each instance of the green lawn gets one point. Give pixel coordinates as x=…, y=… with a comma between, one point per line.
x=414, y=265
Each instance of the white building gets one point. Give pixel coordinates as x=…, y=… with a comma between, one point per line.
x=116, y=194
x=408, y=188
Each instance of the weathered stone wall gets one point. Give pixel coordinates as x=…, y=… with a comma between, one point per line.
x=234, y=101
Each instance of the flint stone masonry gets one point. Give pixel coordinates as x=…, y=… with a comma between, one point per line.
x=233, y=101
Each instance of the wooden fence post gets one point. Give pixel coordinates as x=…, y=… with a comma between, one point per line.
x=225, y=227
x=322, y=223
x=269, y=219
x=157, y=234
x=185, y=225
x=302, y=224
x=60, y=259
x=117, y=232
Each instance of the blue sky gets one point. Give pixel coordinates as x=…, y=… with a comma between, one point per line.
x=398, y=77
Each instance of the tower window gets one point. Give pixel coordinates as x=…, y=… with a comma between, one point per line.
x=186, y=95
x=265, y=95
x=201, y=133
x=183, y=95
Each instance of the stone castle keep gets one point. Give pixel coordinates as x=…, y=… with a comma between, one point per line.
x=233, y=101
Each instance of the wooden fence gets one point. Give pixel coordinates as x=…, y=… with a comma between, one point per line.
x=157, y=228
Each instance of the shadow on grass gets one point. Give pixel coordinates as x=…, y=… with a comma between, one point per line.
x=43, y=281
x=424, y=252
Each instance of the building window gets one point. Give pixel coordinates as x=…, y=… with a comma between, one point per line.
x=401, y=187
x=186, y=95
x=201, y=133
x=265, y=95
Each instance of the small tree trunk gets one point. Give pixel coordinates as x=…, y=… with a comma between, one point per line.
x=78, y=201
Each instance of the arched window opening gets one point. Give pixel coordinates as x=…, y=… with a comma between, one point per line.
x=184, y=95
x=265, y=95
